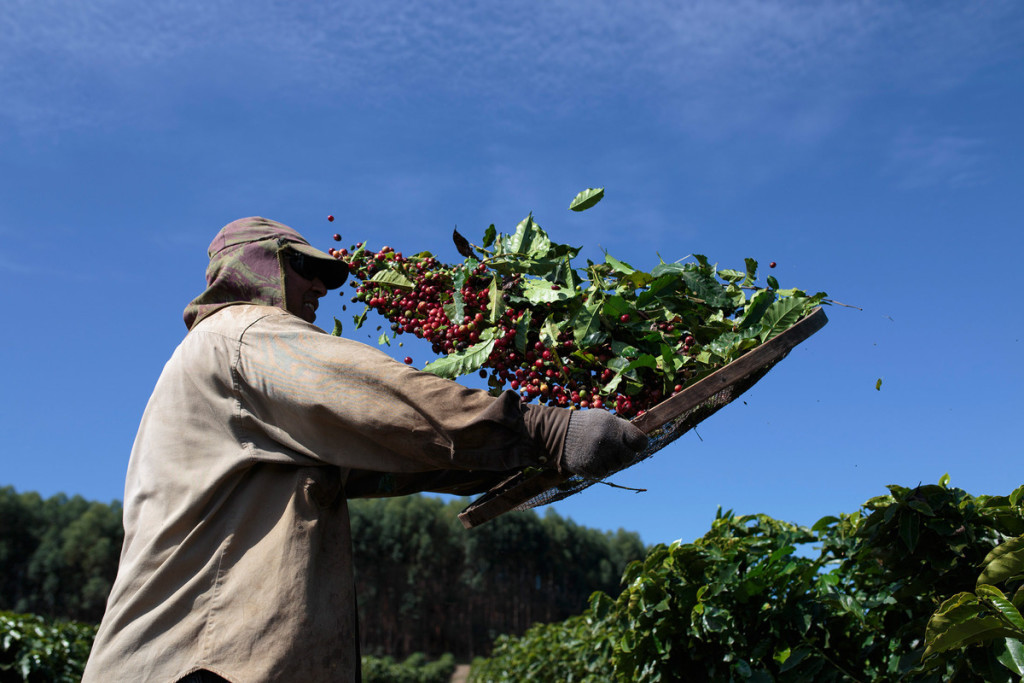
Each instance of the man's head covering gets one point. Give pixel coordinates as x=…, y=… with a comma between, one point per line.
x=247, y=267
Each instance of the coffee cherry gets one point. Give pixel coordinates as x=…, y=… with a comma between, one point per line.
x=408, y=360
x=772, y=264
x=330, y=219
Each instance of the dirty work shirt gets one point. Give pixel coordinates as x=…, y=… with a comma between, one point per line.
x=237, y=551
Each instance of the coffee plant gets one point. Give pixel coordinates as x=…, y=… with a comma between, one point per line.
x=990, y=615
x=416, y=668
x=36, y=649
x=750, y=601
x=519, y=311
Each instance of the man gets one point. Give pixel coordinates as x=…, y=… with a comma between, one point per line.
x=237, y=554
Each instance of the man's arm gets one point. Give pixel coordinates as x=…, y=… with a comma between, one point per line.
x=350, y=405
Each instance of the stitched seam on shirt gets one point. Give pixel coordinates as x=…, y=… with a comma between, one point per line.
x=208, y=635
x=236, y=389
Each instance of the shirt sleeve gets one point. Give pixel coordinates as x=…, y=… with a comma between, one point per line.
x=367, y=484
x=347, y=404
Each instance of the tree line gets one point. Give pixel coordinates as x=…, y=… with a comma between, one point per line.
x=58, y=556
x=424, y=583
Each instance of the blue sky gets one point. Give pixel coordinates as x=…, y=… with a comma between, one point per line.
x=872, y=149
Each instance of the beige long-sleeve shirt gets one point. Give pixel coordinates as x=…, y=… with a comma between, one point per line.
x=237, y=551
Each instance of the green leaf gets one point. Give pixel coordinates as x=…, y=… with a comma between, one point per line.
x=361, y=318
x=663, y=285
x=1012, y=656
x=662, y=269
x=732, y=344
x=624, y=350
x=586, y=199
x=669, y=362
x=586, y=326
x=337, y=328
x=497, y=301
x=489, y=234
x=958, y=622
x=878, y=384
x=529, y=239
x=542, y=291
x=383, y=339
x=644, y=361
x=756, y=308
x=462, y=362
x=392, y=278
x=921, y=506
x=567, y=275
x=601, y=604
x=638, y=279
x=1016, y=496
x=1005, y=607
x=909, y=530
x=733, y=276
x=824, y=523
x=751, y=265
x=944, y=479
x=458, y=310
x=707, y=288
x=791, y=661
x=619, y=366
x=523, y=330
x=772, y=282
x=618, y=265
x=1003, y=562
x=549, y=334
x=615, y=306
x=782, y=315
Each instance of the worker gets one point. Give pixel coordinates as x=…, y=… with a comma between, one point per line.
x=237, y=559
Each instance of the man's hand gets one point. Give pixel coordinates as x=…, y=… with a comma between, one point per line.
x=597, y=443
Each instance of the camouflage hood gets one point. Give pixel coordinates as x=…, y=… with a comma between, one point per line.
x=247, y=267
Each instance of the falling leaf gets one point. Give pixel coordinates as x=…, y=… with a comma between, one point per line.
x=586, y=199
x=878, y=384
x=462, y=244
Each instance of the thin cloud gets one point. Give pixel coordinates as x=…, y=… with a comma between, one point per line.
x=14, y=267
x=710, y=68
x=919, y=160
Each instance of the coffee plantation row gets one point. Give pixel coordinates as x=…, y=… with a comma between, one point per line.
x=923, y=584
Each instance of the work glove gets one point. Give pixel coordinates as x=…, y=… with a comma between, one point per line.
x=597, y=443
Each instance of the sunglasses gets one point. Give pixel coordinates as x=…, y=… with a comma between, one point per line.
x=303, y=265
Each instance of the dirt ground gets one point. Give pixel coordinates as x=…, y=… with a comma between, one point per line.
x=461, y=673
